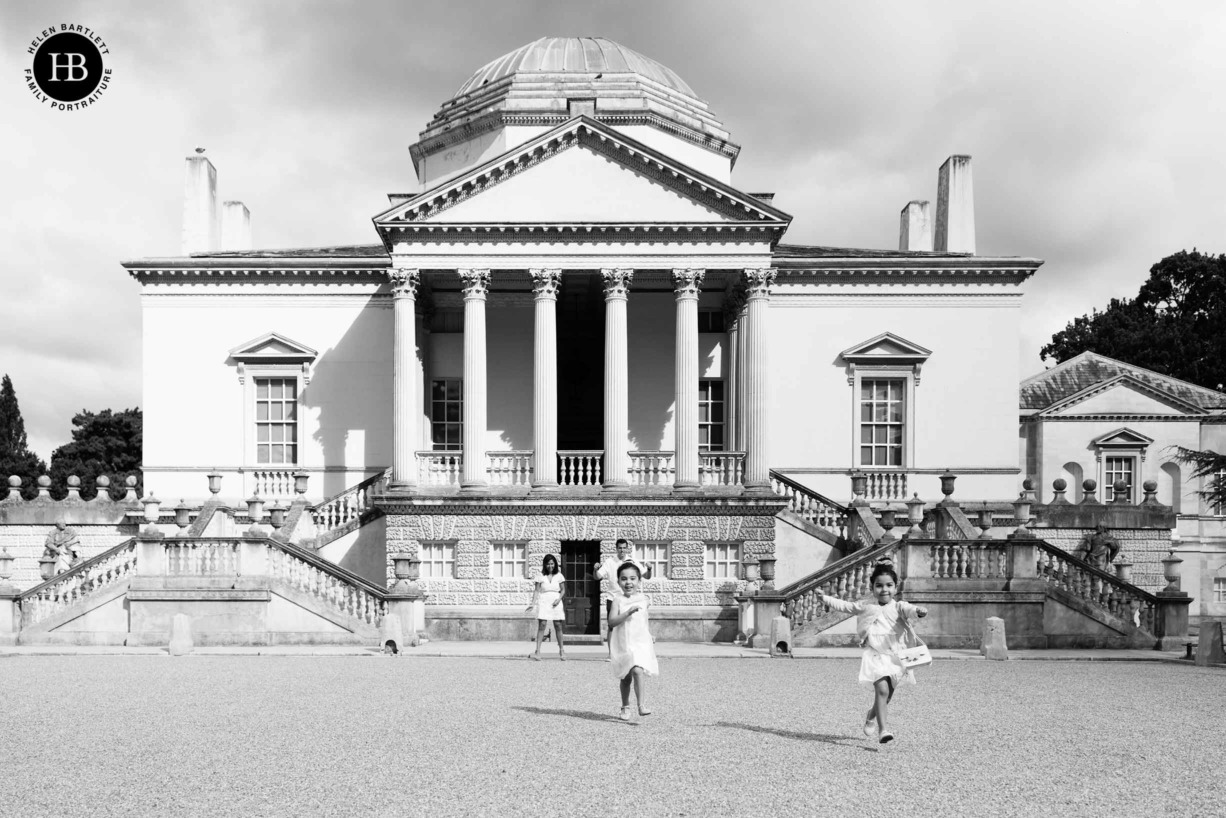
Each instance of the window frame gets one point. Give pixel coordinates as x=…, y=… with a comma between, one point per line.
x=446, y=557
x=518, y=561
x=711, y=561
x=723, y=422
x=659, y=566
x=446, y=446
x=1219, y=590
x=906, y=377
x=1217, y=509
x=1133, y=463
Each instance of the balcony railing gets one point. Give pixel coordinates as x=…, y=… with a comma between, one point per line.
x=580, y=468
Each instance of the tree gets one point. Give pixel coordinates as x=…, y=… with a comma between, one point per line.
x=1207, y=464
x=15, y=455
x=102, y=443
x=1176, y=325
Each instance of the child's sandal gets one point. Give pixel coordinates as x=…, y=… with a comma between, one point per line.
x=870, y=725
x=886, y=738
x=644, y=711
x=624, y=715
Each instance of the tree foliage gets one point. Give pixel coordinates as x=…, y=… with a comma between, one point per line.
x=1176, y=325
x=106, y=443
x=15, y=455
x=1208, y=464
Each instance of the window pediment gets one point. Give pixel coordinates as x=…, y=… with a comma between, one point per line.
x=274, y=352
x=1123, y=439
x=886, y=351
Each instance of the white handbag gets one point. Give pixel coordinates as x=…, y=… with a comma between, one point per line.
x=917, y=654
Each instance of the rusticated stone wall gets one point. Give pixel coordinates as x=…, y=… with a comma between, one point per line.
x=1143, y=547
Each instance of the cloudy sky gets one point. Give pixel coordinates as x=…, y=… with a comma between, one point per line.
x=1097, y=132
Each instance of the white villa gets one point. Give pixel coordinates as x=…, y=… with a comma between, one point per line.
x=580, y=329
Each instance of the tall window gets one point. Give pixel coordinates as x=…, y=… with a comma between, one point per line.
x=1219, y=589
x=723, y=561
x=655, y=557
x=276, y=420
x=447, y=414
x=1219, y=482
x=507, y=560
x=1118, y=468
x=711, y=321
x=710, y=416
x=881, y=422
x=437, y=560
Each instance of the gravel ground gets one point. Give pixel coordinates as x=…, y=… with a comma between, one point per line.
x=225, y=735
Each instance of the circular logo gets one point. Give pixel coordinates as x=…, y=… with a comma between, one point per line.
x=68, y=67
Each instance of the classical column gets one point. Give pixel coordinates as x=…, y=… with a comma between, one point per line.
x=476, y=287
x=545, y=379
x=686, y=284
x=757, y=458
x=406, y=400
x=734, y=303
x=616, y=380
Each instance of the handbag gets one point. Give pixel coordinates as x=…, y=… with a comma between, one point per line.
x=917, y=655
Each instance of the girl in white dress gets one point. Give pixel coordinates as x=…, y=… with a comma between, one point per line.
x=547, y=601
x=880, y=628
x=633, y=652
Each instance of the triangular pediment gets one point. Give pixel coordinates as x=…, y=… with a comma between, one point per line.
x=886, y=348
x=1123, y=438
x=1122, y=395
x=583, y=173
x=272, y=347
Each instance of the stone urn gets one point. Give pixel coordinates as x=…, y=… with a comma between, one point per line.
x=766, y=565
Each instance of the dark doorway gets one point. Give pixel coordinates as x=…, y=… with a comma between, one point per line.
x=581, y=362
x=582, y=596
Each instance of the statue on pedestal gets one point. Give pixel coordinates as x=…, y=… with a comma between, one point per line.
x=63, y=544
x=1099, y=548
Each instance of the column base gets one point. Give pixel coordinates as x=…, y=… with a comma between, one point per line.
x=686, y=488
x=401, y=487
x=546, y=488
x=475, y=488
x=615, y=488
x=763, y=490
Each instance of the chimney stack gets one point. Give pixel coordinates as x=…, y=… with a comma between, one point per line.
x=915, y=227
x=955, y=231
x=199, y=205
x=235, y=226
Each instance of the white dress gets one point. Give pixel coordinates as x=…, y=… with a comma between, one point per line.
x=630, y=642
x=880, y=628
x=549, y=588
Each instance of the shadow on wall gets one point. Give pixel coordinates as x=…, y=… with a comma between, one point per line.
x=651, y=322
x=364, y=552
x=351, y=391
x=509, y=363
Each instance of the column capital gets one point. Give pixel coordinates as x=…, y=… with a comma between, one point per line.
x=687, y=281
x=758, y=281
x=545, y=282
x=404, y=282
x=476, y=283
x=617, y=282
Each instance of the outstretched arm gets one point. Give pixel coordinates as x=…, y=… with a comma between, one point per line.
x=836, y=604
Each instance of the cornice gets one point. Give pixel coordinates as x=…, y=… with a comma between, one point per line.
x=1117, y=418
x=908, y=271
x=581, y=232
x=196, y=268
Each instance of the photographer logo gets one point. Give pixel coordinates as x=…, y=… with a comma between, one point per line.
x=68, y=71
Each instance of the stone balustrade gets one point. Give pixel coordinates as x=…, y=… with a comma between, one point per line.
x=60, y=593
x=580, y=467
x=721, y=469
x=652, y=468
x=510, y=468
x=818, y=510
x=439, y=468
x=349, y=506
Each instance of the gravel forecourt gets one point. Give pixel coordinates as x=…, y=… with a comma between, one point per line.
x=306, y=735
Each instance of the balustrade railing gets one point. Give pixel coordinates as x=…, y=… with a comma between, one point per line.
x=332, y=586
x=202, y=558
x=350, y=504
x=77, y=583
x=439, y=468
x=510, y=468
x=580, y=467
x=886, y=485
x=970, y=559
x=846, y=579
x=721, y=468
x=819, y=510
x=273, y=484
x=649, y=468
x=1062, y=570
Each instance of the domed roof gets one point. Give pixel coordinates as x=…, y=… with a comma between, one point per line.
x=583, y=55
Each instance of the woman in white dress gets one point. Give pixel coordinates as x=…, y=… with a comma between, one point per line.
x=547, y=602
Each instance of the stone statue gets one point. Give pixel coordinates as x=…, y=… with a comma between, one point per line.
x=64, y=545
x=1099, y=548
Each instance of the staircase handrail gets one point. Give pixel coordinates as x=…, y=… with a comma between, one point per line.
x=355, y=490
x=824, y=575
x=787, y=481
x=1106, y=576
x=327, y=566
x=79, y=568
